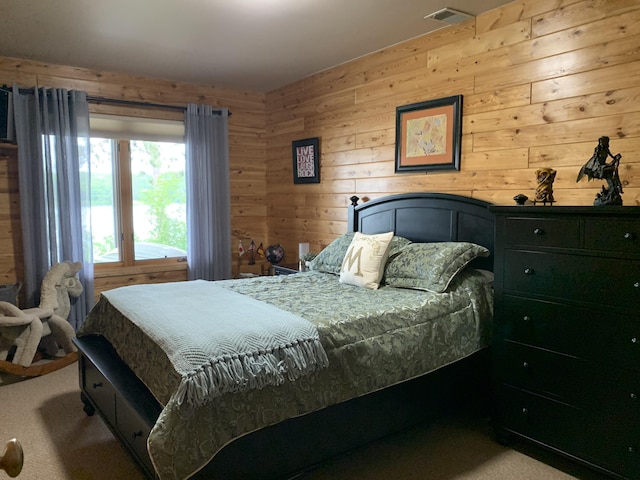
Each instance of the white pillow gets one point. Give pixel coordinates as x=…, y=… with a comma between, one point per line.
x=363, y=264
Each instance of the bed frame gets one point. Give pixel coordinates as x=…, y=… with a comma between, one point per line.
x=289, y=448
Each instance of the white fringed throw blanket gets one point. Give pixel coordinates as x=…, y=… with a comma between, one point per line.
x=220, y=341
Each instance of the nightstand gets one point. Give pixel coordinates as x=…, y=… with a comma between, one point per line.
x=285, y=269
x=245, y=270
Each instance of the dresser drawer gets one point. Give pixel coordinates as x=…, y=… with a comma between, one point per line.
x=613, y=235
x=552, y=423
x=100, y=391
x=601, y=336
x=543, y=232
x=601, y=281
x=568, y=379
x=610, y=441
x=134, y=431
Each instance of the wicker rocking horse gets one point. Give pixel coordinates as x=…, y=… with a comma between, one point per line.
x=45, y=328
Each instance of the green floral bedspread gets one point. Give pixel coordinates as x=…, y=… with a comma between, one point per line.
x=373, y=339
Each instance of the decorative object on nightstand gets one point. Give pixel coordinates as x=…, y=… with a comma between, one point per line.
x=252, y=253
x=306, y=260
x=274, y=253
x=251, y=268
x=285, y=269
x=544, y=191
x=246, y=270
x=566, y=356
x=303, y=249
x=597, y=167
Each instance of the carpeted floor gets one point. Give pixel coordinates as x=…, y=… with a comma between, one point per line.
x=60, y=442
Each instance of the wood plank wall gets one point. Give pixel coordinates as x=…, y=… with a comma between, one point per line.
x=541, y=81
x=11, y=256
x=247, y=146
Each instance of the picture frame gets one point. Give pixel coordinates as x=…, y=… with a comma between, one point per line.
x=428, y=135
x=306, y=160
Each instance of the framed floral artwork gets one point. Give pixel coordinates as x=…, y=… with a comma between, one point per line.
x=428, y=135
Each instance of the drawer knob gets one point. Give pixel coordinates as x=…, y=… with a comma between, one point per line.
x=97, y=384
x=633, y=396
x=528, y=271
x=525, y=411
x=628, y=236
x=526, y=318
x=538, y=231
x=632, y=449
x=636, y=285
x=634, y=340
x=525, y=365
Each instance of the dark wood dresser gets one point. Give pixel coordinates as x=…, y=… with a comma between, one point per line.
x=566, y=362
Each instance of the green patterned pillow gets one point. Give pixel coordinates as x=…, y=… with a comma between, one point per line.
x=397, y=244
x=329, y=260
x=430, y=266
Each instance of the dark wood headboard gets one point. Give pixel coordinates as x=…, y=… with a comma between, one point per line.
x=428, y=217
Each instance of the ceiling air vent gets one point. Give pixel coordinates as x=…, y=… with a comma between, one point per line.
x=449, y=15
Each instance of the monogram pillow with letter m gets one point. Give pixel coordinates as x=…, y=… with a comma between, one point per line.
x=364, y=262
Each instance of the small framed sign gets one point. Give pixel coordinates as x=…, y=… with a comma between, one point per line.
x=428, y=135
x=306, y=161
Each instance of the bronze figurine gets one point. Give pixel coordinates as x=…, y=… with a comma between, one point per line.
x=597, y=167
x=544, y=190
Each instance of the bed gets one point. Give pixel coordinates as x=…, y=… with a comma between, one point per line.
x=382, y=374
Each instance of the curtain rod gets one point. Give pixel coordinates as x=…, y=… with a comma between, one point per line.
x=116, y=101
x=131, y=103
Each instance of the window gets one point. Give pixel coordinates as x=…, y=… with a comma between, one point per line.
x=138, y=197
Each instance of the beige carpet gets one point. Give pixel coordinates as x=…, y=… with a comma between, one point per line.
x=60, y=442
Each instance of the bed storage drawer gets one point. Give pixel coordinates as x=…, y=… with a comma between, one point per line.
x=99, y=390
x=134, y=431
x=113, y=389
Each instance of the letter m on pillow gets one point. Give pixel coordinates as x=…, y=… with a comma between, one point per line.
x=350, y=258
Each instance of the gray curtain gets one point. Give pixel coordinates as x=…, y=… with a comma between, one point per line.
x=208, y=192
x=52, y=132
